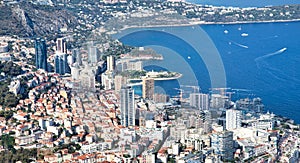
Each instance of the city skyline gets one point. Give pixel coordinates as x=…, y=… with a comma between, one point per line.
x=148, y=82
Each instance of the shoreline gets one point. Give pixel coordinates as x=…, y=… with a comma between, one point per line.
x=209, y=23
x=161, y=79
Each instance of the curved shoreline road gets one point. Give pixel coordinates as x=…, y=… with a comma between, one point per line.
x=206, y=23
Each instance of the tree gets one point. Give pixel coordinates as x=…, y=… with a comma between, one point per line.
x=7, y=142
x=71, y=149
x=6, y=114
x=10, y=100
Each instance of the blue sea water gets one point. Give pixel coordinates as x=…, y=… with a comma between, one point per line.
x=266, y=62
x=244, y=3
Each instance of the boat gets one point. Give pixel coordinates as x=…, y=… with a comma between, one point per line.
x=225, y=31
x=244, y=34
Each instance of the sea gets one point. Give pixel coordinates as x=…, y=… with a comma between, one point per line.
x=245, y=3
x=254, y=59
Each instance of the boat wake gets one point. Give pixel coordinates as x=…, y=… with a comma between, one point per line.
x=240, y=45
x=275, y=73
x=271, y=54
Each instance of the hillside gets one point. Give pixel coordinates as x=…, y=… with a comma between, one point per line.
x=24, y=19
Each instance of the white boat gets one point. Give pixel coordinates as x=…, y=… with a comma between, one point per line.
x=225, y=31
x=244, y=34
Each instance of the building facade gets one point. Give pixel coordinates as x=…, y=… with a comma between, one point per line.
x=127, y=105
x=233, y=119
x=222, y=144
x=119, y=82
x=61, y=64
x=61, y=45
x=41, y=54
x=93, y=56
x=111, y=64
x=148, y=88
x=199, y=100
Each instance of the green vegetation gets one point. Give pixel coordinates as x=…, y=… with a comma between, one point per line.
x=116, y=50
x=136, y=52
x=286, y=126
x=10, y=69
x=72, y=147
x=6, y=114
x=171, y=160
x=9, y=99
x=23, y=155
x=134, y=74
x=168, y=75
x=126, y=155
x=7, y=142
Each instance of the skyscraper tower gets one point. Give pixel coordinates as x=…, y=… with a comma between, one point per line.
x=61, y=45
x=233, y=119
x=119, y=82
x=61, y=64
x=148, y=88
x=199, y=100
x=222, y=144
x=76, y=56
x=127, y=106
x=40, y=54
x=93, y=55
x=111, y=64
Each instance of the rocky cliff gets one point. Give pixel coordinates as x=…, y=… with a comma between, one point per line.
x=29, y=20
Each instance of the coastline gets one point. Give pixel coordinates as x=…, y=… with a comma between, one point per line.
x=209, y=23
x=160, y=79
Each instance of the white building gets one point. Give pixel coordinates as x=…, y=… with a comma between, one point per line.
x=111, y=64
x=199, y=100
x=218, y=101
x=15, y=87
x=107, y=80
x=127, y=106
x=265, y=122
x=233, y=119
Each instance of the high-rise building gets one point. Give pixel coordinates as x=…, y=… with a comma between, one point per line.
x=111, y=64
x=135, y=65
x=76, y=56
x=119, y=82
x=61, y=64
x=75, y=71
x=107, y=80
x=148, y=88
x=233, y=119
x=93, y=56
x=41, y=54
x=218, y=101
x=199, y=100
x=205, y=121
x=126, y=65
x=87, y=78
x=222, y=144
x=61, y=45
x=127, y=106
